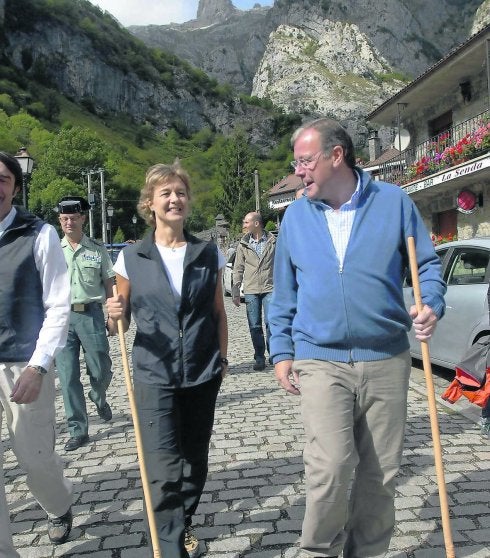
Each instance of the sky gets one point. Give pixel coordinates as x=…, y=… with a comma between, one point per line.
x=160, y=12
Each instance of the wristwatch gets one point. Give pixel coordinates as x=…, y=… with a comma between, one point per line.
x=224, y=361
x=39, y=369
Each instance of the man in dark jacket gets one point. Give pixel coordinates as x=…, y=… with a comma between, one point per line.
x=35, y=303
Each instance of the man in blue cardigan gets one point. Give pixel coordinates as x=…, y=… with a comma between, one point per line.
x=339, y=337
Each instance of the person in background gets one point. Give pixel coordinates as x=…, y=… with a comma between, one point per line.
x=91, y=278
x=254, y=267
x=339, y=337
x=171, y=283
x=35, y=303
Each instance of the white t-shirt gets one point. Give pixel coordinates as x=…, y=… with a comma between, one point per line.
x=173, y=260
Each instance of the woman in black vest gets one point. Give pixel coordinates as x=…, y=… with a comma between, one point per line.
x=170, y=283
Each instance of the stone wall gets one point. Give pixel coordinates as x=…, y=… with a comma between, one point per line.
x=469, y=225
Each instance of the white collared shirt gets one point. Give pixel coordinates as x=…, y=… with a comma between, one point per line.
x=340, y=221
x=51, y=265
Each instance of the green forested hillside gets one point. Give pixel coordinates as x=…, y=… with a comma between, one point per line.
x=67, y=138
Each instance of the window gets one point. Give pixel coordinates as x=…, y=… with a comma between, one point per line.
x=440, y=124
x=441, y=252
x=469, y=267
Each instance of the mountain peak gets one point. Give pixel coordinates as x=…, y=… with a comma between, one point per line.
x=214, y=11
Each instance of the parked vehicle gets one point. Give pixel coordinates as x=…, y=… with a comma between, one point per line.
x=228, y=274
x=466, y=270
x=114, y=250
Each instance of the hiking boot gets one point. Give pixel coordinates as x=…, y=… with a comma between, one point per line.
x=191, y=543
x=259, y=364
x=59, y=527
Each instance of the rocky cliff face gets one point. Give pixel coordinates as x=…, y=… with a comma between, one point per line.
x=338, y=74
x=223, y=41
x=310, y=56
x=210, y=12
x=482, y=17
x=323, y=57
x=77, y=70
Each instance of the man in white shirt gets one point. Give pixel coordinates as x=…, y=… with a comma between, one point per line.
x=34, y=313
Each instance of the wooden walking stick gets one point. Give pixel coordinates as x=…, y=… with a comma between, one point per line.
x=155, y=543
x=434, y=423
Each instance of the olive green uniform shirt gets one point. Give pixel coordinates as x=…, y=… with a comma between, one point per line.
x=89, y=266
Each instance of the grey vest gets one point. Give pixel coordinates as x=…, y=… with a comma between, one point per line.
x=175, y=348
x=21, y=304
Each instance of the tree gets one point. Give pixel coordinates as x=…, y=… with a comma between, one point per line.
x=58, y=172
x=119, y=236
x=21, y=127
x=236, y=177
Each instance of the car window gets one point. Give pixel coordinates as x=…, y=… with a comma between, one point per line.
x=408, y=275
x=468, y=267
x=442, y=253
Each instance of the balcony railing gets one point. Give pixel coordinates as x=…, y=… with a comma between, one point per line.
x=462, y=142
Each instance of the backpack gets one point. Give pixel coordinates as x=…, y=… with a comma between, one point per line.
x=473, y=372
x=472, y=375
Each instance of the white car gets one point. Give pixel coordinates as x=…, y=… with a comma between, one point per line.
x=228, y=275
x=466, y=270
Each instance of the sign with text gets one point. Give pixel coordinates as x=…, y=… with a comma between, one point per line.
x=456, y=172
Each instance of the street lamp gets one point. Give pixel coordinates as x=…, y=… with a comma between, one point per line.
x=135, y=220
x=26, y=163
x=110, y=213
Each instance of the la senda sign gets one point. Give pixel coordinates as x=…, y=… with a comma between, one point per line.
x=462, y=170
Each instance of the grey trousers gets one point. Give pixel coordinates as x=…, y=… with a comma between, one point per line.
x=31, y=428
x=354, y=419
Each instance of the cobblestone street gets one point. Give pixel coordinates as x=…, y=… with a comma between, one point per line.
x=253, y=502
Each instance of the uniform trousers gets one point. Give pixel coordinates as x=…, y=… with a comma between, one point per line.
x=87, y=330
x=176, y=427
x=32, y=435
x=354, y=418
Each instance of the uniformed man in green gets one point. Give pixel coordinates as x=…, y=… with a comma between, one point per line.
x=91, y=278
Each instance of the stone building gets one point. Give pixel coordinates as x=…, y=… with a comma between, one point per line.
x=441, y=149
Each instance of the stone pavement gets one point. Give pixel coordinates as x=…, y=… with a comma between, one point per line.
x=254, y=500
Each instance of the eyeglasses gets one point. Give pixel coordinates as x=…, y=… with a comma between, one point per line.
x=307, y=163
x=72, y=218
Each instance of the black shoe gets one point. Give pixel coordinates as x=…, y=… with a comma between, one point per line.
x=259, y=364
x=59, y=527
x=105, y=412
x=76, y=442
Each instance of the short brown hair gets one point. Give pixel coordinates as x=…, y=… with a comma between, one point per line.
x=160, y=174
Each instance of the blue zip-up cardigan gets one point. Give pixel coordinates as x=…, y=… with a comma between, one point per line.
x=320, y=310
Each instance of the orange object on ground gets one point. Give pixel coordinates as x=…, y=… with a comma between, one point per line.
x=464, y=385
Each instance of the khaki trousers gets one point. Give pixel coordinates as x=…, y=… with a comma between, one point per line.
x=354, y=419
x=32, y=435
